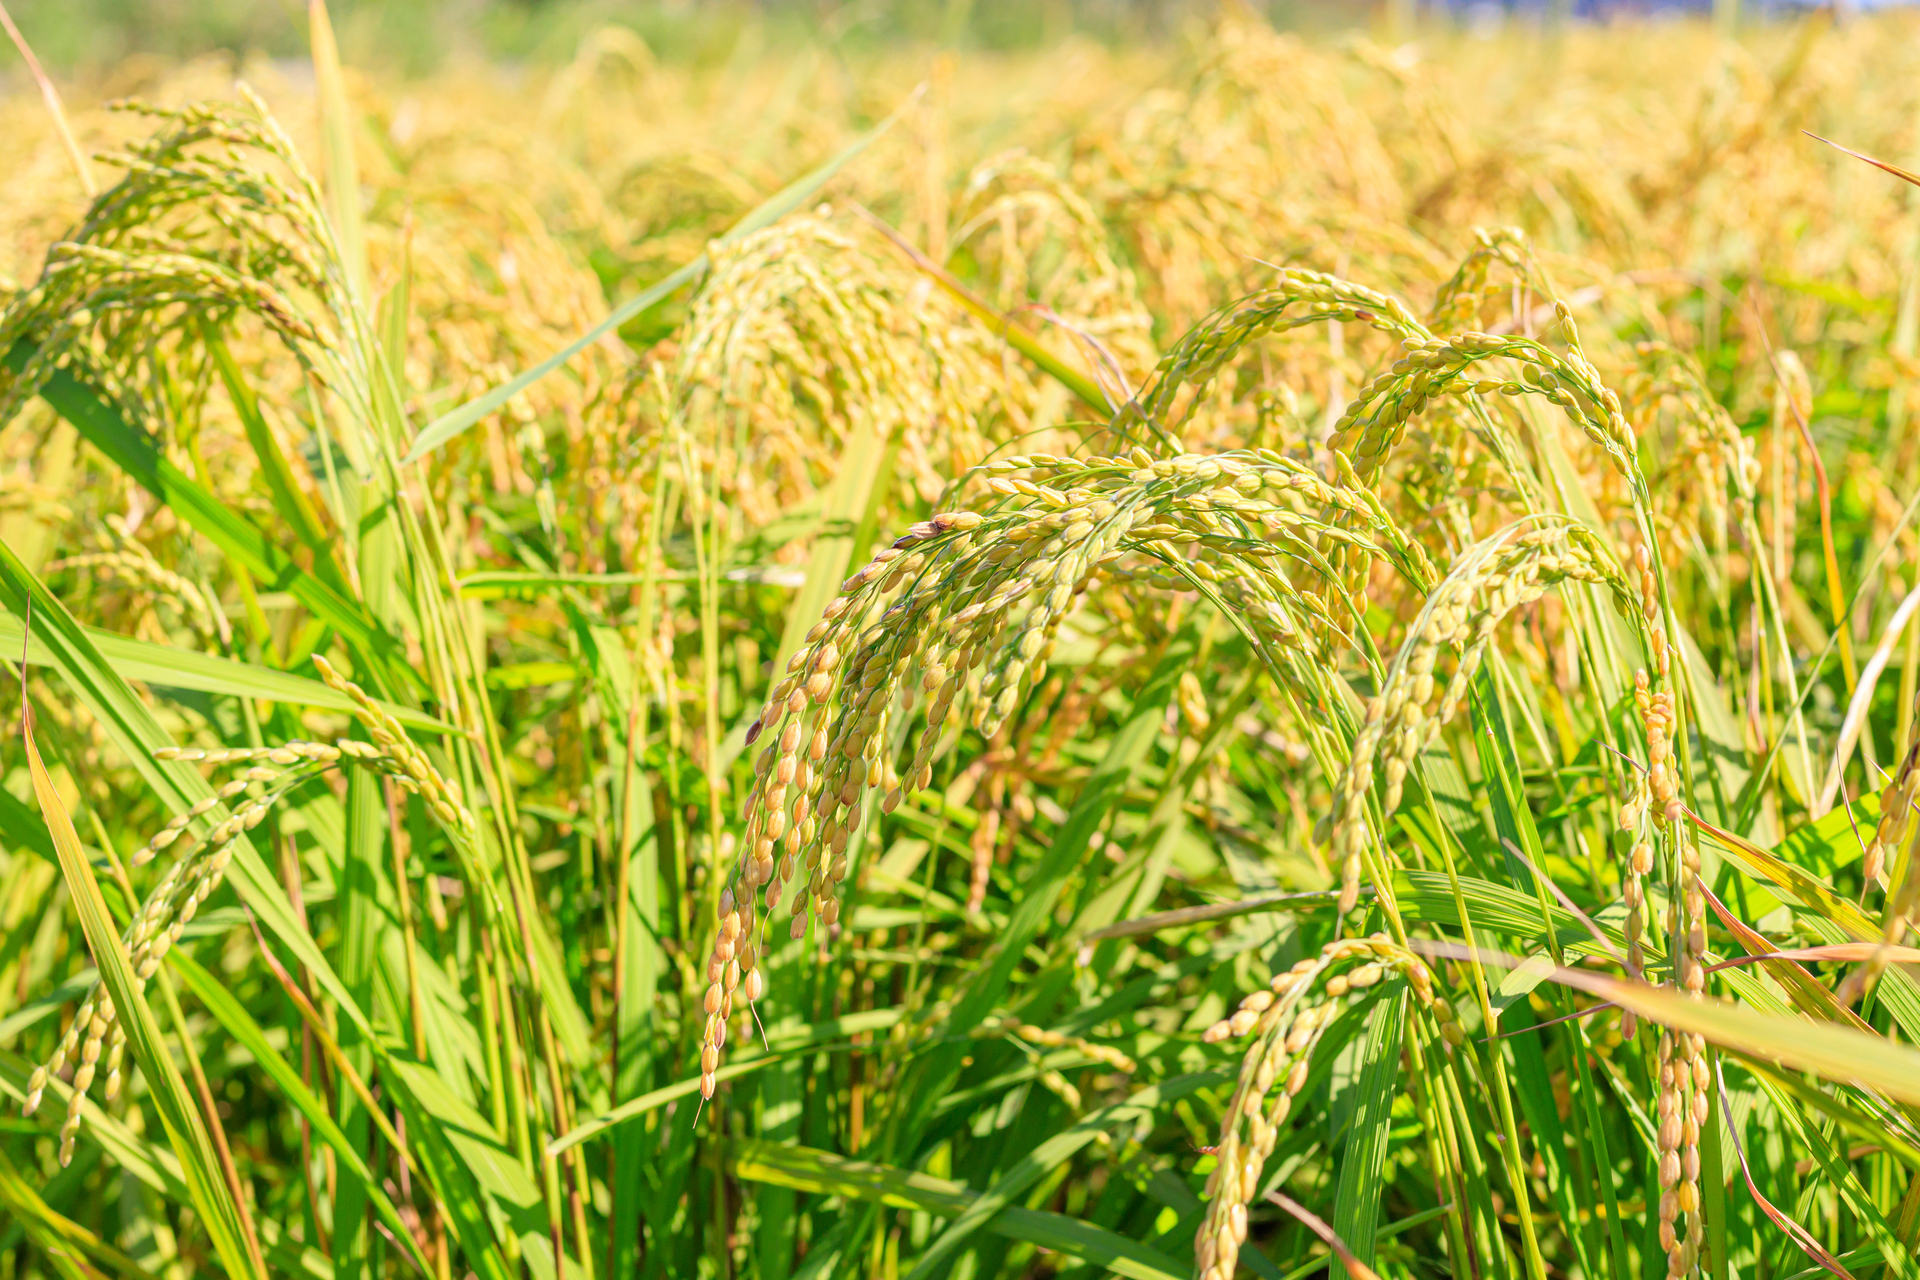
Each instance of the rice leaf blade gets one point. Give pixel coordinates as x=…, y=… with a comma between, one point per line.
x=1836, y=1052
x=1036, y=1163
x=232, y=1015
x=825, y=1174
x=176, y=668
x=185, y=1129
x=336, y=142
x=1363, y=1168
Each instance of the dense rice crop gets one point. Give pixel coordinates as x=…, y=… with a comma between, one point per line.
x=1261, y=658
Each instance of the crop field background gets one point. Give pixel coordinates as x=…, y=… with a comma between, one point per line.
x=737, y=645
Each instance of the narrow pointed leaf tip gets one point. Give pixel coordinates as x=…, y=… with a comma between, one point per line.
x=1905, y=175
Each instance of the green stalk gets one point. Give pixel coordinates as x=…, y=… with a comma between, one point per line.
x=404, y=897
x=516, y=1076
x=498, y=1088
x=211, y=1112
x=1510, y=1149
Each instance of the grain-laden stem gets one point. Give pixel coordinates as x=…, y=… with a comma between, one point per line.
x=455, y=672
x=443, y=617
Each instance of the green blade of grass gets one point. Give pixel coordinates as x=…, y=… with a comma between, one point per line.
x=822, y=1173
x=1425, y=896
x=461, y=1198
x=357, y=878
x=486, y=1180
x=1031, y=1167
x=173, y=668
x=1899, y=989
x=809, y=1039
x=211, y=1195
x=492, y=584
x=1806, y=889
x=1184, y=917
x=239, y=1024
x=336, y=144
x=1836, y=1052
x=1363, y=1168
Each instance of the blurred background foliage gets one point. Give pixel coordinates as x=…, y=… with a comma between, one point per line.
x=415, y=37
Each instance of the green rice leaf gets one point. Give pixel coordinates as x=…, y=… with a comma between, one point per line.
x=483, y=1182
x=823, y=1173
x=173, y=668
x=1044, y=1158
x=1363, y=1167
x=1836, y=1052
x=336, y=142
x=211, y=1195
x=239, y=1024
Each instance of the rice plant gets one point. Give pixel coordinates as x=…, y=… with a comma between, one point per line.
x=1265, y=668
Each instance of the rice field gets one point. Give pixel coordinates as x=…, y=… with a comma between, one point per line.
x=1242, y=656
